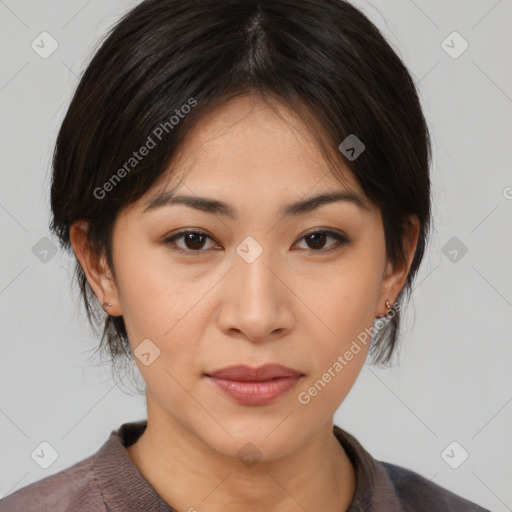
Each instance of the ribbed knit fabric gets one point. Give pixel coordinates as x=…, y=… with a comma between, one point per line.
x=108, y=481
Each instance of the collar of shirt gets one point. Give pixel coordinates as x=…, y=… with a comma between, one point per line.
x=125, y=489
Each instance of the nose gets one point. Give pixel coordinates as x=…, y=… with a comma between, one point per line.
x=256, y=300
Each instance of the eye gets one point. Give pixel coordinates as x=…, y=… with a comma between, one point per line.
x=194, y=241
x=316, y=240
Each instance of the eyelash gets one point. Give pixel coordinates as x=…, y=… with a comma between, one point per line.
x=341, y=240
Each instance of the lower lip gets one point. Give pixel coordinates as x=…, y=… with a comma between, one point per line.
x=256, y=393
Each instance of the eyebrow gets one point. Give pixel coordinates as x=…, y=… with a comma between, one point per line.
x=214, y=206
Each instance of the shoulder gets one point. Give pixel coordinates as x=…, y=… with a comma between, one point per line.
x=74, y=488
x=418, y=494
x=385, y=487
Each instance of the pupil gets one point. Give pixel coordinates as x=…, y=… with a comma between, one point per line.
x=193, y=240
x=192, y=237
x=314, y=238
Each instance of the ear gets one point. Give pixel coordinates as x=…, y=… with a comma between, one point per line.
x=395, y=277
x=99, y=275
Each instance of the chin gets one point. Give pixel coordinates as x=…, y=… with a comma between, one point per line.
x=252, y=440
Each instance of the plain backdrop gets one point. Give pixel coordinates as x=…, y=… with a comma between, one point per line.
x=453, y=380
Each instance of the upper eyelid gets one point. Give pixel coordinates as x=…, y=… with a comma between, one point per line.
x=176, y=236
x=205, y=233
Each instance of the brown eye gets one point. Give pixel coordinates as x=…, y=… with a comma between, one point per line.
x=317, y=239
x=194, y=241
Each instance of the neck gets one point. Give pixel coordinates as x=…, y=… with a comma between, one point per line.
x=190, y=476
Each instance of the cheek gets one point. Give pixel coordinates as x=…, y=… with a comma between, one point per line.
x=160, y=307
x=152, y=296
x=343, y=305
x=342, y=300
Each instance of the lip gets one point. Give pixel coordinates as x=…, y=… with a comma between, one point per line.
x=243, y=372
x=255, y=386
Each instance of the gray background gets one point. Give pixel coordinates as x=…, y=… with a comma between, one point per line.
x=453, y=380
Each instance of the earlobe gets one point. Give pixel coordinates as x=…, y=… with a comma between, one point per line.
x=95, y=268
x=395, y=277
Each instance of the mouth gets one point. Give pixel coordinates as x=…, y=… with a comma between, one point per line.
x=255, y=386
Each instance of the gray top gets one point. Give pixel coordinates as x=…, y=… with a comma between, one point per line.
x=108, y=481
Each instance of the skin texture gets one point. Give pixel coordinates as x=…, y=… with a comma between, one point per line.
x=298, y=304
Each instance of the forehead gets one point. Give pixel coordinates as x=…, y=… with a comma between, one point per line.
x=247, y=143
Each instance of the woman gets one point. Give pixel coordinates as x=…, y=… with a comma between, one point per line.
x=245, y=186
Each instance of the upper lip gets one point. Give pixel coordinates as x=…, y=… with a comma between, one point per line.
x=260, y=373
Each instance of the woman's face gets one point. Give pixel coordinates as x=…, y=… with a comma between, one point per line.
x=257, y=288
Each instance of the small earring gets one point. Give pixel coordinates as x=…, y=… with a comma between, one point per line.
x=388, y=306
x=106, y=305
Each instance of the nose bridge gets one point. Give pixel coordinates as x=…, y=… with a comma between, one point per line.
x=253, y=265
x=257, y=302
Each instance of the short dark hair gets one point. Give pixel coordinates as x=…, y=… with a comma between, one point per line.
x=322, y=58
